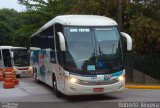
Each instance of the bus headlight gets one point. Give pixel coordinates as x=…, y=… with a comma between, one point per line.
x=30, y=68
x=15, y=69
x=73, y=80
x=121, y=78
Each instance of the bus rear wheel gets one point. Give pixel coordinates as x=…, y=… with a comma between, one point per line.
x=18, y=76
x=36, y=78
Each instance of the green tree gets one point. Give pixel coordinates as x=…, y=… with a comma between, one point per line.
x=36, y=15
x=142, y=23
x=95, y=7
x=8, y=23
x=146, y=34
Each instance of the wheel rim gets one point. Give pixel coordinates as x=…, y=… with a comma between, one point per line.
x=36, y=77
x=55, y=85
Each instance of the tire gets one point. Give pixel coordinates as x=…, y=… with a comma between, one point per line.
x=57, y=92
x=18, y=76
x=36, y=78
x=33, y=72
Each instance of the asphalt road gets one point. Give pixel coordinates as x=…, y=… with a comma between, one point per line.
x=29, y=94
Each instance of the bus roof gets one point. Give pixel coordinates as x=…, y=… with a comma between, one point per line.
x=18, y=48
x=11, y=47
x=34, y=48
x=79, y=20
x=5, y=47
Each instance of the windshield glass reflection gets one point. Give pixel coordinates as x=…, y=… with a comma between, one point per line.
x=93, y=49
x=21, y=57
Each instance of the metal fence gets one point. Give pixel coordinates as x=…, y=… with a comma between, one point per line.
x=128, y=57
x=148, y=64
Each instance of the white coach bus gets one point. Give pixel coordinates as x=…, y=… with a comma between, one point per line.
x=80, y=55
x=16, y=57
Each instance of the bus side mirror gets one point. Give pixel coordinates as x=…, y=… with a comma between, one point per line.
x=129, y=40
x=31, y=53
x=12, y=55
x=62, y=41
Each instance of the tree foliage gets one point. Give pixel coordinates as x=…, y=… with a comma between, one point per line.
x=8, y=24
x=140, y=20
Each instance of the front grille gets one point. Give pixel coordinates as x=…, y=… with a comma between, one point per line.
x=108, y=82
x=22, y=68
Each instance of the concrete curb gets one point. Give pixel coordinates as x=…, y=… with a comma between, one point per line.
x=143, y=86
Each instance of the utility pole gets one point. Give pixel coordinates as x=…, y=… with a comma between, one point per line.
x=119, y=15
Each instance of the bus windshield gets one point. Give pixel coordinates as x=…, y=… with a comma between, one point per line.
x=21, y=57
x=93, y=50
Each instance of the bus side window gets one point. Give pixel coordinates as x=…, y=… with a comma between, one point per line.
x=47, y=38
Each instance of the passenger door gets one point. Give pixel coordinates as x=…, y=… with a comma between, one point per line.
x=6, y=58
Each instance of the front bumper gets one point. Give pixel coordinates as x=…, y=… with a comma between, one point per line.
x=77, y=89
x=20, y=72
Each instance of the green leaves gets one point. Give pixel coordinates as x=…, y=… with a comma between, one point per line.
x=141, y=21
x=21, y=37
x=8, y=23
x=143, y=24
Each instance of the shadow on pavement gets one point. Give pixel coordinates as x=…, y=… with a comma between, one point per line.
x=78, y=98
x=82, y=98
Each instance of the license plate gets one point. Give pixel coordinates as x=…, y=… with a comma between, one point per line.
x=24, y=72
x=98, y=89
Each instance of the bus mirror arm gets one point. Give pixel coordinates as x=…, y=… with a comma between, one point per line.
x=62, y=41
x=129, y=40
x=12, y=55
x=31, y=53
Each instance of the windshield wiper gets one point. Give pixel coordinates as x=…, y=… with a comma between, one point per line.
x=113, y=47
x=100, y=49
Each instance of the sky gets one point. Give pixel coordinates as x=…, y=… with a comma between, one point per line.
x=11, y=4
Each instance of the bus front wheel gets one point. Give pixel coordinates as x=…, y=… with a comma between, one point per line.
x=57, y=92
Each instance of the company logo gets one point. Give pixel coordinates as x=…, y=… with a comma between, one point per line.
x=107, y=76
